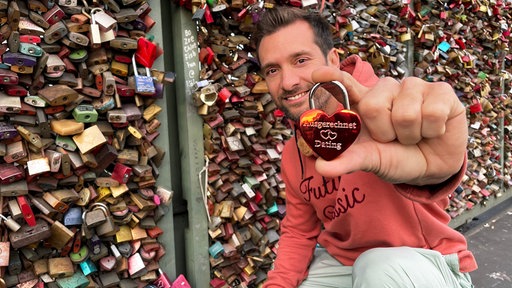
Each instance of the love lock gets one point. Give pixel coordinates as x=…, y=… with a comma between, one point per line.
x=208, y=95
x=329, y=135
x=107, y=228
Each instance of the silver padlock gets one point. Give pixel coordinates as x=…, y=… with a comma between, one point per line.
x=103, y=19
x=10, y=223
x=94, y=29
x=106, y=24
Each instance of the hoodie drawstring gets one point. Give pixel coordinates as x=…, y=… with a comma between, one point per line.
x=298, y=151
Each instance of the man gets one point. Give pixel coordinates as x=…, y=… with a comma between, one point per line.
x=377, y=210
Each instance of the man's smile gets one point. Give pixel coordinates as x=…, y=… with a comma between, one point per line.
x=296, y=96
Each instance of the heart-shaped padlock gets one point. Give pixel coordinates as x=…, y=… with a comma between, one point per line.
x=108, y=263
x=329, y=135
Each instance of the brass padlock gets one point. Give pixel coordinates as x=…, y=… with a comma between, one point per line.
x=124, y=234
x=60, y=267
x=55, y=203
x=406, y=36
x=89, y=139
x=119, y=68
x=60, y=234
x=378, y=60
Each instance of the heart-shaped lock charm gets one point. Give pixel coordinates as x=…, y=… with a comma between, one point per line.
x=329, y=135
x=108, y=263
x=208, y=95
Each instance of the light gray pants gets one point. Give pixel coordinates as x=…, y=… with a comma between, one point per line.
x=397, y=267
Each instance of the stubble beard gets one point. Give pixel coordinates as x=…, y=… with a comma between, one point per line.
x=294, y=111
x=321, y=102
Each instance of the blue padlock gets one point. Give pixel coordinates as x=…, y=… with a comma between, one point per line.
x=144, y=85
x=216, y=249
x=88, y=267
x=73, y=217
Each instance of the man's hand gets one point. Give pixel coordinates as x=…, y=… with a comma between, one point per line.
x=413, y=132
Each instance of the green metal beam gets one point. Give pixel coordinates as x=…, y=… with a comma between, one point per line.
x=168, y=166
x=185, y=49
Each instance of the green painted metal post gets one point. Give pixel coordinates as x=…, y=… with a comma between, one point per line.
x=185, y=51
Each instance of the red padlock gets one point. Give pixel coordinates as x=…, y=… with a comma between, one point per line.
x=28, y=214
x=475, y=107
x=121, y=173
x=162, y=280
x=180, y=282
x=147, y=52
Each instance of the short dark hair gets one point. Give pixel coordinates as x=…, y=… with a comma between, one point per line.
x=276, y=18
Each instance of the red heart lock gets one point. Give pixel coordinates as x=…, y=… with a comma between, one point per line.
x=329, y=135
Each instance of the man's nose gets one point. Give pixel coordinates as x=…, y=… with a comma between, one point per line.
x=290, y=79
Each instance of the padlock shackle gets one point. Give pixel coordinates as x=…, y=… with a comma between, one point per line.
x=329, y=87
x=135, y=72
x=92, y=12
x=45, y=218
x=100, y=205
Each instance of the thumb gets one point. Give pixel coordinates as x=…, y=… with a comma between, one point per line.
x=354, y=89
x=355, y=158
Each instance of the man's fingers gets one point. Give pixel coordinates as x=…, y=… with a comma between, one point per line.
x=375, y=110
x=354, y=89
x=407, y=113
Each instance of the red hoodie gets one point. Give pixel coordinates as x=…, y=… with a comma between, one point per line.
x=358, y=211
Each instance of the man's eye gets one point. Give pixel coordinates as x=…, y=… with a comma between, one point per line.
x=271, y=71
x=301, y=60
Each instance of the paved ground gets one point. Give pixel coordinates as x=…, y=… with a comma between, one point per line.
x=490, y=239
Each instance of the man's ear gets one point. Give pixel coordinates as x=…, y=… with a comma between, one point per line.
x=333, y=58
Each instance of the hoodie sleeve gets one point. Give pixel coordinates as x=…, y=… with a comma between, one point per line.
x=433, y=193
x=299, y=231
x=361, y=70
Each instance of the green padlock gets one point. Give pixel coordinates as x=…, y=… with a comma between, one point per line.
x=77, y=280
x=79, y=256
x=79, y=55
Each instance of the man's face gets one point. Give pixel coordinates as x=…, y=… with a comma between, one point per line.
x=288, y=57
